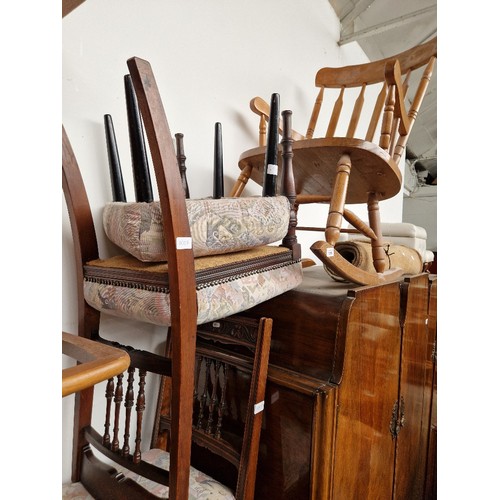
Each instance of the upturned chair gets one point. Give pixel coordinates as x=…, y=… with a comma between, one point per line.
x=185, y=293
x=348, y=167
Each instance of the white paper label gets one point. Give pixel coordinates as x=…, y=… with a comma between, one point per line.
x=330, y=251
x=272, y=169
x=258, y=407
x=184, y=243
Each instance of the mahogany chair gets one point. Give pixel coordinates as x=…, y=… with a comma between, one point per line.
x=350, y=167
x=186, y=294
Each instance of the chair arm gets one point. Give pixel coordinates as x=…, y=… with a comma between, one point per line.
x=98, y=362
x=261, y=108
x=393, y=77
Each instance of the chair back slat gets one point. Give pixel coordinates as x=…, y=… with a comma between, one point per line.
x=395, y=125
x=356, y=112
x=334, y=118
x=387, y=120
x=415, y=107
x=377, y=111
x=315, y=114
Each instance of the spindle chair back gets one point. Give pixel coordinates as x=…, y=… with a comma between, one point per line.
x=353, y=165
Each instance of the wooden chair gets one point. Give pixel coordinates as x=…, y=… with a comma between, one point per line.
x=86, y=467
x=353, y=168
x=169, y=294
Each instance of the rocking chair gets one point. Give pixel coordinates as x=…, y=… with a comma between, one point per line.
x=350, y=168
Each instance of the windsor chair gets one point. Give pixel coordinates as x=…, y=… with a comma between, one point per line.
x=347, y=167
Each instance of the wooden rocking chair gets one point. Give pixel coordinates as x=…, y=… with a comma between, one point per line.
x=130, y=288
x=352, y=168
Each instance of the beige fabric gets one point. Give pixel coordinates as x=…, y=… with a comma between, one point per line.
x=219, y=300
x=359, y=254
x=201, y=486
x=217, y=225
x=240, y=281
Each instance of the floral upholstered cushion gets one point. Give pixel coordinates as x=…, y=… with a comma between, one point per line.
x=201, y=486
x=226, y=284
x=75, y=491
x=217, y=225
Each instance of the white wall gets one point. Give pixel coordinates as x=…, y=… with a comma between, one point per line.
x=420, y=208
x=210, y=58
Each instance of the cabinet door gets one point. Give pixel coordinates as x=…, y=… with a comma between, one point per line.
x=364, y=446
x=431, y=395
x=296, y=447
x=413, y=422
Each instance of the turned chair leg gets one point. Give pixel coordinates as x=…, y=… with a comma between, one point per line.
x=240, y=184
x=325, y=250
x=337, y=202
x=378, y=253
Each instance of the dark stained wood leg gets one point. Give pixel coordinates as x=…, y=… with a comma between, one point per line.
x=181, y=160
x=288, y=184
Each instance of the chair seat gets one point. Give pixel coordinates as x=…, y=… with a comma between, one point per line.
x=314, y=168
x=217, y=225
x=226, y=284
x=201, y=486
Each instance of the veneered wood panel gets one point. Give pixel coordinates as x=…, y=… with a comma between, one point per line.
x=296, y=448
x=411, y=441
x=364, y=447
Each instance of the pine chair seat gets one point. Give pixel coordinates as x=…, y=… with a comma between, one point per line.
x=375, y=170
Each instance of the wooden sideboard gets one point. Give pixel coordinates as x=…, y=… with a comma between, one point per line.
x=349, y=391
